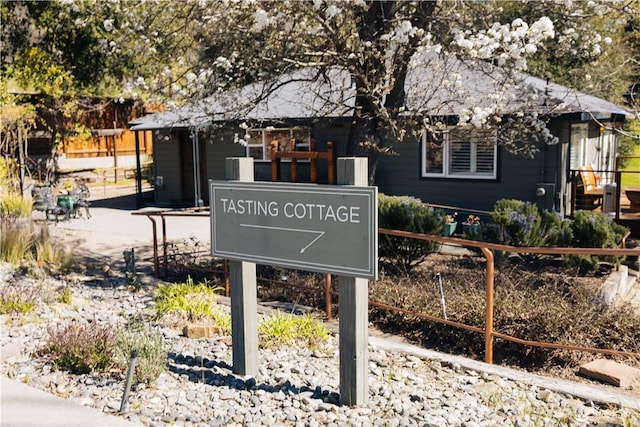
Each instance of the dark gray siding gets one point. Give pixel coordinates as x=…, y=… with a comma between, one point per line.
x=166, y=162
x=518, y=178
x=216, y=155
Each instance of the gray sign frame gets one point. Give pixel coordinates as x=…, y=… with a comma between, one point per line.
x=320, y=228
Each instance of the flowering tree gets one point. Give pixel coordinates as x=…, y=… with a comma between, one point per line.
x=380, y=43
x=406, y=61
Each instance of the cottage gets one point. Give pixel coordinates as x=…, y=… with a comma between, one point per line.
x=450, y=166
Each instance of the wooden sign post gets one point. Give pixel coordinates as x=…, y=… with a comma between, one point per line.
x=353, y=308
x=316, y=228
x=244, y=291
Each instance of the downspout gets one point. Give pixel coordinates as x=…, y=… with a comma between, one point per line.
x=196, y=168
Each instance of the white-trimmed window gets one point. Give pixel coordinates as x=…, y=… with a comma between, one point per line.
x=582, y=149
x=456, y=154
x=259, y=140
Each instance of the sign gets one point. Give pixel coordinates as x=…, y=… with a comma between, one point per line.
x=321, y=228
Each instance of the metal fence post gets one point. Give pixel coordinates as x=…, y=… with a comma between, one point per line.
x=488, y=335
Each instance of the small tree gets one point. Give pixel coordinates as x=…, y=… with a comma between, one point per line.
x=14, y=128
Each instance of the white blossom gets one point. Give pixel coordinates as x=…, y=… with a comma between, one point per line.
x=332, y=11
x=108, y=25
x=261, y=20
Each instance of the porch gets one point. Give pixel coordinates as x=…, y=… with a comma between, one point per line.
x=616, y=193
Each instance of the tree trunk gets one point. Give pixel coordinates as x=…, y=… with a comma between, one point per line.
x=375, y=126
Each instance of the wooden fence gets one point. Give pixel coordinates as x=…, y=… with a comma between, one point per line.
x=107, y=143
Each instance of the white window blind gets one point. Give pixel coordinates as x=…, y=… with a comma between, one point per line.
x=456, y=154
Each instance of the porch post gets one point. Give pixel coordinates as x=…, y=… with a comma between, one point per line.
x=138, y=172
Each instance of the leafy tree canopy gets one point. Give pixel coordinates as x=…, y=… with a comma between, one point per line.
x=169, y=51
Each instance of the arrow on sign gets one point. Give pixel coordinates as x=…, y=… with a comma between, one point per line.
x=319, y=233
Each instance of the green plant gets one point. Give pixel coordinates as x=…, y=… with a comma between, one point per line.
x=222, y=320
x=13, y=205
x=593, y=229
x=150, y=348
x=18, y=299
x=65, y=295
x=518, y=223
x=81, y=348
x=287, y=329
x=408, y=214
x=187, y=299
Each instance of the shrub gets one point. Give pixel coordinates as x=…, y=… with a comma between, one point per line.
x=287, y=329
x=28, y=241
x=408, y=214
x=16, y=241
x=65, y=296
x=187, y=299
x=530, y=303
x=13, y=205
x=524, y=224
x=81, y=348
x=18, y=298
x=150, y=347
x=593, y=229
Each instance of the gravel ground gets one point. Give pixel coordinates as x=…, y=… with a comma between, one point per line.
x=295, y=385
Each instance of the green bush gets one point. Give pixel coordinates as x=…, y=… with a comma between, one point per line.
x=593, y=229
x=524, y=224
x=150, y=347
x=407, y=214
x=188, y=300
x=287, y=329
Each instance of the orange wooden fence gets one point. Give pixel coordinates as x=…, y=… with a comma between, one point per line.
x=120, y=142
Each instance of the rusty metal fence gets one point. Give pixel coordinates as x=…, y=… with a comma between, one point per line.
x=487, y=249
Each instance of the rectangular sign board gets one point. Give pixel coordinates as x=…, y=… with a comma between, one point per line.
x=321, y=228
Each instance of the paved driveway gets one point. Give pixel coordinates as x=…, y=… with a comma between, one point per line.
x=114, y=228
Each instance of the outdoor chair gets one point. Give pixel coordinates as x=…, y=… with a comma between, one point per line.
x=590, y=192
x=81, y=191
x=46, y=201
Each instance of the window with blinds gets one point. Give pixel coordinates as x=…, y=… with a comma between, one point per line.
x=459, y=155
